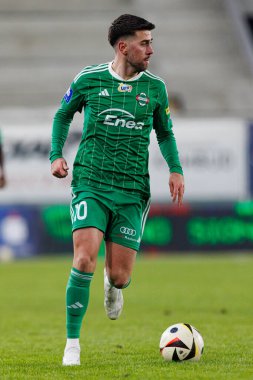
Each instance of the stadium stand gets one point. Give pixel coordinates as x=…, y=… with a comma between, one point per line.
x=44, y=44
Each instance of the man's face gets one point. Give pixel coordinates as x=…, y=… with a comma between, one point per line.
x=139, y=50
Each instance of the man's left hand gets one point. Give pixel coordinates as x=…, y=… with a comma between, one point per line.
x=176, y=184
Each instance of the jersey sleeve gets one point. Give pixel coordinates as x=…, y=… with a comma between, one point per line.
x=72, y=102
x=163, y=127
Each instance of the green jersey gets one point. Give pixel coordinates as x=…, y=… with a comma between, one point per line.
x=119, y=116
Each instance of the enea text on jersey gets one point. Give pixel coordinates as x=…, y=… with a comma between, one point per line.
x=115, y=120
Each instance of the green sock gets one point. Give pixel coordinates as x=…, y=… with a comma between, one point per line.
x=77, y=299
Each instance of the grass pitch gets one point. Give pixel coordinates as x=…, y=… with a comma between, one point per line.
x=213, y=294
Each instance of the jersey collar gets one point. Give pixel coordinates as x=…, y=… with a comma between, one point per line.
x=116, y=76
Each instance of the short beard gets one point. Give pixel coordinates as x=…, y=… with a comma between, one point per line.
x=137, y=66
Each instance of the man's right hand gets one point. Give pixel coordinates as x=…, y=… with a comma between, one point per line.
x=59, y=168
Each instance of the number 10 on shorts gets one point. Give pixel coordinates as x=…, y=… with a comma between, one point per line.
x=79, y=212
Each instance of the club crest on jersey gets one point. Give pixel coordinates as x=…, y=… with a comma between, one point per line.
x=68, y=95
x=142, y=99
x=125, y=87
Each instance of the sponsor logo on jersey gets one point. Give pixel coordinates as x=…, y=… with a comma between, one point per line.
x=127, y=231
x=167, y=110
x=68, y=95
x=111, y=118
x=125, y=87
x=142, y=99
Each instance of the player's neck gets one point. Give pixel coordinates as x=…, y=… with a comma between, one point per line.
x=124, y=70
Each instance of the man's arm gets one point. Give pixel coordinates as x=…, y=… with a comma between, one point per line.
x=71, y=103
x=168, y=147
x=61, y=123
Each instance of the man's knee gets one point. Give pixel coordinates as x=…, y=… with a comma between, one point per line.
x=83, y=259
x=86, y=246
x=84, y=262
x=120, y=282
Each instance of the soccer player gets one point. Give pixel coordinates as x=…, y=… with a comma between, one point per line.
x=2, y=176
x=122, y=103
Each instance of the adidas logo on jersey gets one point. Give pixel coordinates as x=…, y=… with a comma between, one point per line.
x=104, y=93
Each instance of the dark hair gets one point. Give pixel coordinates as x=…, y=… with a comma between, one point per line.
x=127, y=25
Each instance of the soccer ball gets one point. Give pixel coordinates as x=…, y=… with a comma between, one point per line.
x=181, y=342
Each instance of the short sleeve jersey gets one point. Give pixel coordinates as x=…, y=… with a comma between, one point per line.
x=118, y=118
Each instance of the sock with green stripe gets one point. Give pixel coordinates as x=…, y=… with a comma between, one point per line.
x=77, y=299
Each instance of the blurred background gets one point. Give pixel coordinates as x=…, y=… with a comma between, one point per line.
x=204, y=52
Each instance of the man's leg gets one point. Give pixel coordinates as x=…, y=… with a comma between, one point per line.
x=86, y=246
x=118, y=269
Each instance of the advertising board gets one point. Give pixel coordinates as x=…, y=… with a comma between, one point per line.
x=35, y=230
x=214, y=155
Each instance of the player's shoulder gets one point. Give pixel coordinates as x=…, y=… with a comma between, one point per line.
x=154, y=78
x=91, y=72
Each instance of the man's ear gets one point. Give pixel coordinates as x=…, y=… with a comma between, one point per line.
x=123, y=47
